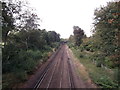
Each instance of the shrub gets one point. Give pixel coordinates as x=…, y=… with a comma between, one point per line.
x=81, y=55
x=104, y=81
x=35, y=55
x=47, y=48
x=99, y=58
x=28, y=59
x=45, y=56
x=20, y=75
x=99, y=63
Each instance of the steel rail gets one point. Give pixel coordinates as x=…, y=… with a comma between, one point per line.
x=55, y=69
x=44, y=73
x=71, y=80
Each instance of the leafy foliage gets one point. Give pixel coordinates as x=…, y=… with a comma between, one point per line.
x=103, y=46
x=103, y=78
x=78, y=35
x=7, y=20
x=25, y=45
x=106, y=30
x=104, y=43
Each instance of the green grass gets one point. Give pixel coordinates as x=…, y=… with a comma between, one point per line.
x=100, y=76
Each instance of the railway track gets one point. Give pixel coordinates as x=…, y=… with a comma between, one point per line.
x=59, y=62
x=44, y=73
x=71, y=80
x=55, y=70
x=58, y=72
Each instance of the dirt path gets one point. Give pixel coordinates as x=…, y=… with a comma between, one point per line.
x=58, y=72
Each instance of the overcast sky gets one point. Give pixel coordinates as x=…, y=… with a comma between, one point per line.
x=62, y=15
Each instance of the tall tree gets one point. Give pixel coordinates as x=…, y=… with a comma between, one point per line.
x=7, y=21
x=78, y=35
x=106, y=29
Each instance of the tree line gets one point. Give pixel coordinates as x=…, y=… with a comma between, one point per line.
x=25, y=44
x=102, y=48
x=105, y=39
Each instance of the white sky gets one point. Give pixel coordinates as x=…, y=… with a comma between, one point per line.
x=62, y=15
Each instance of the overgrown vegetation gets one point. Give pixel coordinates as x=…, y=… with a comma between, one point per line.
x=102, y=48
x=25, y=46
x=103, y=77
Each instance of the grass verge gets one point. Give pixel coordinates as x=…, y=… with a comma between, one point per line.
x=104, y=78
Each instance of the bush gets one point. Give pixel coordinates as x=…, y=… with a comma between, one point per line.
x=35, y=55
x=102, y=77
x=104, y=81
x=45, y=56
x=29, y=59
x=117, y=75
x=99, y=58
x=55, y=45
x=99, y=63
x=81, y=55
x=20, y=74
